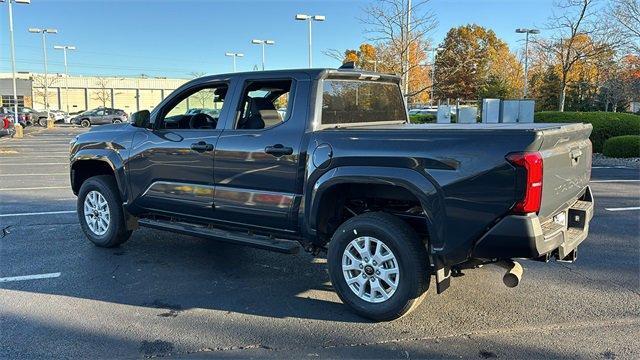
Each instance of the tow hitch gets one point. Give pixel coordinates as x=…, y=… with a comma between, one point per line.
x=514, y=272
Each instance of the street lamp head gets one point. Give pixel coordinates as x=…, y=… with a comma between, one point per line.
x=302, y=17
x=20, y=1
x=319, y=17
x=51, y=31
x=534, y=31
x=256, y=41
x=229, y=54
x=269, y=42
x=239, y=55
x=521, y=30
x=35, y=30
x=71, y=47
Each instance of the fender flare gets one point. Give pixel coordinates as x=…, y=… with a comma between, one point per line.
x=424, y=189
x=107, y=156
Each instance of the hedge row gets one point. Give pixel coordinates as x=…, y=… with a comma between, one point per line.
x=423, y=119
x=626, y=146
x=605, y=124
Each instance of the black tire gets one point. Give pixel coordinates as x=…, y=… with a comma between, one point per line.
x=409, y=250
x=117, y=121
x=85, y=123
x=117, y=232
x=42, y=122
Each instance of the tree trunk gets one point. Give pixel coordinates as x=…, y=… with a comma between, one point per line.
x=563, y=95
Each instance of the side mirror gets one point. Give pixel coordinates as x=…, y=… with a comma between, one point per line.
x=141, y=118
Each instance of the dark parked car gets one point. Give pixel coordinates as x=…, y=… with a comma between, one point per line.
x=393, y=204
x=100, y=116
x=26, y=116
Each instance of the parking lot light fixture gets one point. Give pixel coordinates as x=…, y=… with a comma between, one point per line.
x=44, y=33
x=526, y=55
x=13, y=55
x=64, y=49
x=234, y=56
x=310, y=19
x=263, y=43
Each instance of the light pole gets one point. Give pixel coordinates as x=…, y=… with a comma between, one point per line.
x=526, y=55
x=434, y=51
x=309, y=19
x=234, y=56
x=64, y=49
x=375, y=64
x=13, y=55
x=263, y=43
x=44, y=33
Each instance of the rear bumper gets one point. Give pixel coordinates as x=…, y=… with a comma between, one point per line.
x=523, y=236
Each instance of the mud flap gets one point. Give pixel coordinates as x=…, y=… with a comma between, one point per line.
x=443, y=278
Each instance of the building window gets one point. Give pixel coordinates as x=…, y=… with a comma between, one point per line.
x=7, y=100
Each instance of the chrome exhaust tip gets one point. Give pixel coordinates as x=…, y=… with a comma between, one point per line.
x=514, y=272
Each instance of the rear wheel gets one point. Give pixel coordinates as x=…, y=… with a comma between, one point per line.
x=100, y=212
x=85, y=123
x=378, y=266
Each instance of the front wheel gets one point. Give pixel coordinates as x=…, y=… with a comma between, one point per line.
x=378, y=266
x=117, y=121
x=85, y=123
x=100, y=212
x=42, y=122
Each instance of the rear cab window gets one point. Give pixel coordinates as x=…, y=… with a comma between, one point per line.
x=351, y=101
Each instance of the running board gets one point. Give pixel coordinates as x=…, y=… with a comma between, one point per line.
x=256, y=241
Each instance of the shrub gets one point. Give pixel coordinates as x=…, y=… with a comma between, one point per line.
x=605, y=124
x=622, y=146
x=423, y=119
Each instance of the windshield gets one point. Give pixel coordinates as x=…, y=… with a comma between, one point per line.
x=357, y=101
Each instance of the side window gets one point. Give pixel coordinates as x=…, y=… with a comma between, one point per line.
x=264, y=104
x=199, y=109
x=99, y=113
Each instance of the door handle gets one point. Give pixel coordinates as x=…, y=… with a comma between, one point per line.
x=278, y=150
x=201, y=146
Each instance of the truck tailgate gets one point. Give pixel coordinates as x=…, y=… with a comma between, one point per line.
x=566, y=154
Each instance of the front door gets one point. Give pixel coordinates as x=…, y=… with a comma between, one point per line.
x=257, y=159
x=171, y=167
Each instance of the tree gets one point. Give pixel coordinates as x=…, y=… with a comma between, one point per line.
x=400, y=28
x=577, y=34
x=626, y=14
x=103, y=92
x=544, y=85
x=39, y=86
x=475, y=63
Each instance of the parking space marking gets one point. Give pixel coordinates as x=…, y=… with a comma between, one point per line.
x=14, y=164
x=51, y=174
x=36, y=188
x=40, y=213
x=614, y=180
x=624, y=208
x=30, y=277
x=611, y=167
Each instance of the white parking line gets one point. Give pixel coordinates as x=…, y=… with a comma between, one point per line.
x=624, y=208
x=30, y=277
x=52, y=174
x=62, y=163
x=36, y=188
x=40, y=213
x=614, y=180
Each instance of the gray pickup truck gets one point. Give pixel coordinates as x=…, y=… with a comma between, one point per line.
x=327, y=160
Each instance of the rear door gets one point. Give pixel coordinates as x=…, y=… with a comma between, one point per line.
x=257, y=161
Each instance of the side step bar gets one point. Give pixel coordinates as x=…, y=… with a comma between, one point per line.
x=256, y=241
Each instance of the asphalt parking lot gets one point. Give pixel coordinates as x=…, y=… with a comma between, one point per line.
x=169, y=295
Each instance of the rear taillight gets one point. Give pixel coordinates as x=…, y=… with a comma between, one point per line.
x=531, y=163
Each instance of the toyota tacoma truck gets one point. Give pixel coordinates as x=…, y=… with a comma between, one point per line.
x=327, y=160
